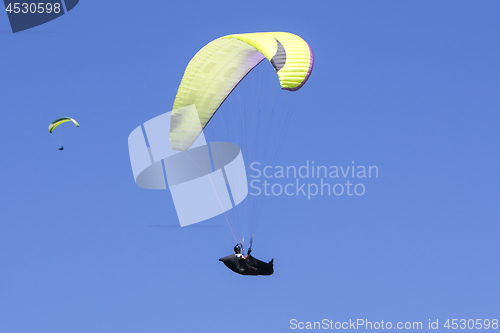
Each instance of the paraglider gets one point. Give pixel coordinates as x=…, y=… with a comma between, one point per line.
x=210, y=77
x=218, y=68
x=60, y=121
x=247, y=265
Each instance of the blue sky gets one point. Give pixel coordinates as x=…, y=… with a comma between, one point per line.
x=410, y=87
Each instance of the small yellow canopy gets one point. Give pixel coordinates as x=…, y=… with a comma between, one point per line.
x=60, y=121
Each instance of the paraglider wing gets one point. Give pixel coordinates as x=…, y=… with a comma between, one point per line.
x=219, y=66
x=60, y=121
x=250, y=266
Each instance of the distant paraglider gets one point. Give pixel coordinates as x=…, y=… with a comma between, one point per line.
x=60, y=121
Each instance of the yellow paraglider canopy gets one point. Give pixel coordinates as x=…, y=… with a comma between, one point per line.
x=218, y=68
x=60, y=121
